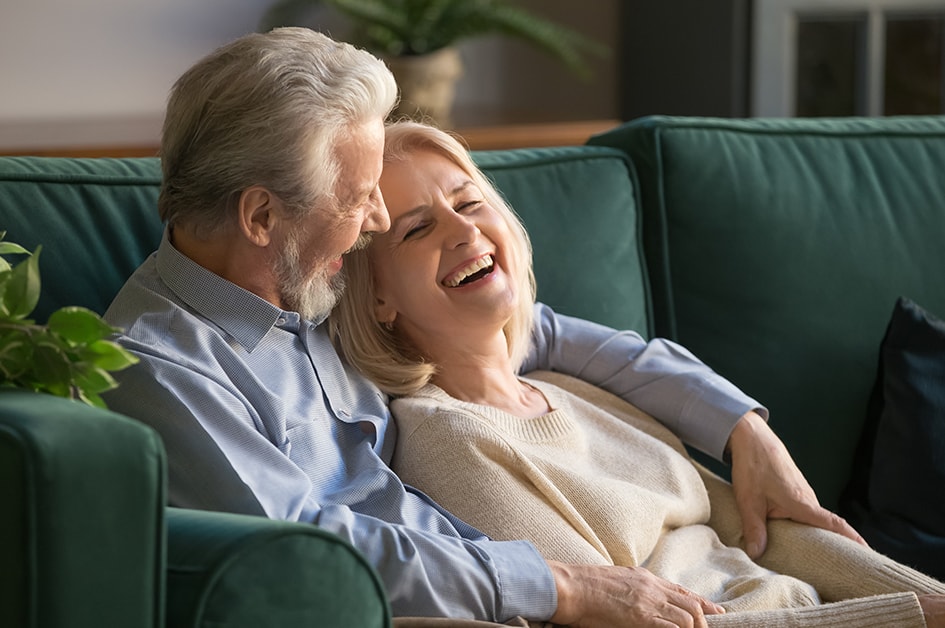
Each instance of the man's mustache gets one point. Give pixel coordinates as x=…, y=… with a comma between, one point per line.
x=363, y=241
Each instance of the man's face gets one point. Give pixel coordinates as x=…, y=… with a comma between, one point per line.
x=309, y=265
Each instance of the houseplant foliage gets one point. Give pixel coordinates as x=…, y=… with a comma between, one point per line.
x=394, y=28
x=70, y=356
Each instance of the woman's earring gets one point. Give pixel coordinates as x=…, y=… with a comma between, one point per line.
x=388, y=325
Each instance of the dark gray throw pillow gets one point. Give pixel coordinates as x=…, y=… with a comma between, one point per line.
x=896, y=496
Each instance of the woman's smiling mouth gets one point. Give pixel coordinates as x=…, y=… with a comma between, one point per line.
x=476, y=270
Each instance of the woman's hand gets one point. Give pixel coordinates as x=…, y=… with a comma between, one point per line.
x=933, y=607
x=768, y=485
x=591, y=596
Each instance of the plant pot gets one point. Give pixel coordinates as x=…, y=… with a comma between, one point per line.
x=427, y=85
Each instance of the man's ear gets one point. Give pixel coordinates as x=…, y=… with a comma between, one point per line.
x=258, y=214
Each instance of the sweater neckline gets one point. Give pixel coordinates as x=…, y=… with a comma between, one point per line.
x=552, y=425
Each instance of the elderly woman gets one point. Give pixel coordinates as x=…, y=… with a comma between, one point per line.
x=438, y=311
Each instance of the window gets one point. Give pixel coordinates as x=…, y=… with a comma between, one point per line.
x=848, y=57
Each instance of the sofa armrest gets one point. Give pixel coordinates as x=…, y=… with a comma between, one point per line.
x=248, y=571
x=82, y=522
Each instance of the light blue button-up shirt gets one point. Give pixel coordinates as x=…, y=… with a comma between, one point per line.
x=259, y=414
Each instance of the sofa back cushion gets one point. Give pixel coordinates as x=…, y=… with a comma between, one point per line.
x=580, y=208
x=777, y=249
x=97, y=221
x=95, y=218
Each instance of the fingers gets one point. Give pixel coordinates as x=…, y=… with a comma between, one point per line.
x=756, y=535
x=692, y=604
x=755, y=530
x=753, y=510
x=683, y=608
x=611, y=597
x=810, y=512
x=823, y=518
x=769, y=485
x=705, y=607
x=849, y=531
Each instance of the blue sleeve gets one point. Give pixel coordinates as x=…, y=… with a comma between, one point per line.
x=431, y=563
x=660, y=377
x=427, y=574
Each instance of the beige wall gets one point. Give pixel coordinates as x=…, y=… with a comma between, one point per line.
x=74, y=72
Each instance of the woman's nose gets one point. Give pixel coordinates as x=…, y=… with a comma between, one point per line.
x=462, y=230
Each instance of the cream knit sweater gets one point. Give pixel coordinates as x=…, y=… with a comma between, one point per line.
x=597, y=481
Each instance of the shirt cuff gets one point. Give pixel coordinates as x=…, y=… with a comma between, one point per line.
x=706, y=423
x=525, y=582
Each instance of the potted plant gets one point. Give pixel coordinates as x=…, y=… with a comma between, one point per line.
x=417, y=39
x=69, y=356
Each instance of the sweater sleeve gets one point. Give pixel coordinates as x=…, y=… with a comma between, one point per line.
x=860, y=586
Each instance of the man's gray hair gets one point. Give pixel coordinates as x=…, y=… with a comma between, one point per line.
x=266, y=109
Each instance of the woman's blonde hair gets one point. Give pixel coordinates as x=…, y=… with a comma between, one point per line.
x=266, y=109
x=379, y=352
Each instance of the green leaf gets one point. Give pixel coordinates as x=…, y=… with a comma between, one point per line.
x=79, y=325
x=109, y=355
x=10, y=248
x=92, y=379
x=51, y=366
x=16, y=354
x=91, y=399
x=21, y=292
x=70, y=356
x=6, y=271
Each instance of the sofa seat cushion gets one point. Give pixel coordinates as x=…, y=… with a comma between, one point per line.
x=896, y=496
x=243, y=571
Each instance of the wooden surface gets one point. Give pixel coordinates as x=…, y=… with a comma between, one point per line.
x=85, y=151
x=533, y=135
x=486, y=137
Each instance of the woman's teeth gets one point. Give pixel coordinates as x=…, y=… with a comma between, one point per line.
x=484, y=263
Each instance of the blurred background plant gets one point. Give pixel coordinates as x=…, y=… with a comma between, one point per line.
x=417, y=38
x=393, y=28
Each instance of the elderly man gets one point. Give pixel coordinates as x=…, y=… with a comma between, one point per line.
x=271, y=153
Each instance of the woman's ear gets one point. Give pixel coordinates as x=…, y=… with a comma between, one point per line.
x=384, y=312
x=257, y=215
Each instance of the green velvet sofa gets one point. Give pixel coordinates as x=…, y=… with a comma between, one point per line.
x=778, y=251
x=773, y=249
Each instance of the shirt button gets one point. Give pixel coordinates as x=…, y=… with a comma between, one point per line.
x=281, y=320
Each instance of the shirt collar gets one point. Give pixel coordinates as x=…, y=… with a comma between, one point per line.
x=240, y=313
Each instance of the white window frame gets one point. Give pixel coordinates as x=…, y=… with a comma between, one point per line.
x=774, y=47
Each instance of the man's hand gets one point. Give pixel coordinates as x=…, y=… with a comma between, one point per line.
x=768, y=485
x=591, y=596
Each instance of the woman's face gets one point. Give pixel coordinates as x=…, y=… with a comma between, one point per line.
x=444, y=269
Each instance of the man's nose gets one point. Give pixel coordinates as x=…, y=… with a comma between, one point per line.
x=377, y=219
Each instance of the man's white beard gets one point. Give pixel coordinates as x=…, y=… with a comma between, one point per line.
x=312, y=296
